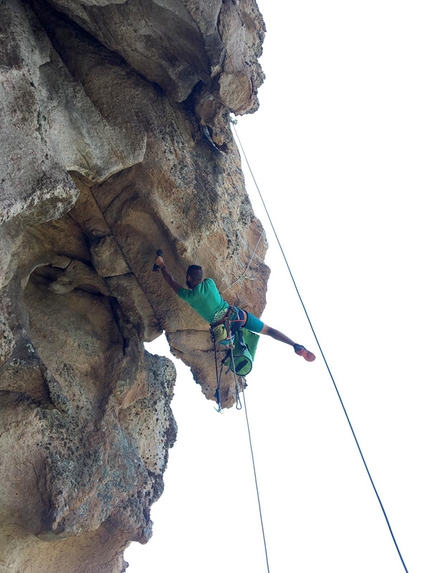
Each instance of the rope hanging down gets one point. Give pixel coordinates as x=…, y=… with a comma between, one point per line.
x=322, y=354
x=239, y=407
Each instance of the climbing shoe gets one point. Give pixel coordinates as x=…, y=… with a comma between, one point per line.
x=301, y=351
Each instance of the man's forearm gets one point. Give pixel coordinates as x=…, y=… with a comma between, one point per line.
x=169, y=279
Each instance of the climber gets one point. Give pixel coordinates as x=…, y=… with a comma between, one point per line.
x=203, y=296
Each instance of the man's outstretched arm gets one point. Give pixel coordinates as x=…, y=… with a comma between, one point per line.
x=167, y=276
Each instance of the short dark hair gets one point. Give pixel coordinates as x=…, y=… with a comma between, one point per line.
x=195, y=272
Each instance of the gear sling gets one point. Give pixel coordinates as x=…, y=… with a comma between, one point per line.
x=240, y=355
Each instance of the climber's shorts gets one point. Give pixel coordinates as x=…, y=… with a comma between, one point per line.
x=238, y=320
x=253, y=323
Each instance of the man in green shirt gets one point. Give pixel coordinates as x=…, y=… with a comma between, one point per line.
x=203, y=296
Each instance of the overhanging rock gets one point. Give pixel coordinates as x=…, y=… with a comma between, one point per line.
x=115, y=131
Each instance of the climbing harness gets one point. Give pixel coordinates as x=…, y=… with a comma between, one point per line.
x=326, y=364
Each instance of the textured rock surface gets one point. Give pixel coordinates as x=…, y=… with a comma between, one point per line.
x=115, y=142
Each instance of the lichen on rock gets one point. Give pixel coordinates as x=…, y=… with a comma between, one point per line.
x=116, y=141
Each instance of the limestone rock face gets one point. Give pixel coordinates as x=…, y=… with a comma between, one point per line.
x=116, y=141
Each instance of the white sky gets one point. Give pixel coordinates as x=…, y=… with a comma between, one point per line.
x=340, y=150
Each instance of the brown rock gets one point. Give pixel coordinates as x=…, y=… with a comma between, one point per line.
x=115, y=142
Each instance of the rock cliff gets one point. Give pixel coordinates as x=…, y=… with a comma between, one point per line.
x=116, y=141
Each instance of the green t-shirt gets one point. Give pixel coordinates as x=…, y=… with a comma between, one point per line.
x=205, y=300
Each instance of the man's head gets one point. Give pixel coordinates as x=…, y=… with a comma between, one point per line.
x=194, y=276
